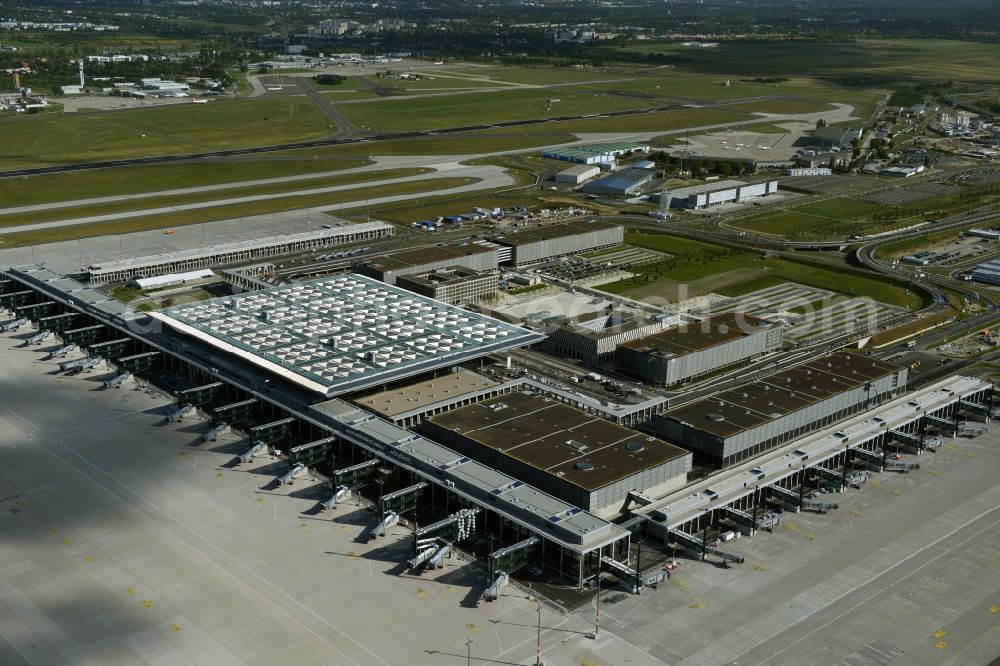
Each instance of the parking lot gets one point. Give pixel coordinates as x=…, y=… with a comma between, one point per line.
x=955, y=251
x=811, y=314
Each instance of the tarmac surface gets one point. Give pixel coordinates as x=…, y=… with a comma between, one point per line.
x=125, y=540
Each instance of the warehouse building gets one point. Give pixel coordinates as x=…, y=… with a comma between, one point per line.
x=694, y=349
x=581, y=459
x=987, y=272
x=594, y=337
x=734, y=425
x=558, y=240
x=423, y=260
x=625, y=182
x=454, y=285
x=597, y=153
x=577, y=174
x=173, y=279
x=718, y=192
x=236, y=252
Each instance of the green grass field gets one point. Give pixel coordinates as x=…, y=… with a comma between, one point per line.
x=483, y=107
x=181, y=218
x=700, y=268
x=145, y=203
x=184, y=128
x=888, y=60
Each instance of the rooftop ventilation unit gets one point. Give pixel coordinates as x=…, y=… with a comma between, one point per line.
x=575, y=445
x=715, y=416
x=583, y=466
x=635, y=447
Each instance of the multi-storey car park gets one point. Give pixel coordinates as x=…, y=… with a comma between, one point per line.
x=294, y=393
x=593, y=337
x=693, y=349
x=531, y=246
x=473, y=256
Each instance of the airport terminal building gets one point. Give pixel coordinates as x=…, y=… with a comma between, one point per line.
x=735, y=425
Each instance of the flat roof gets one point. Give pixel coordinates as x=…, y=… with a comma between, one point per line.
x=551, y=231
x=558, y=439
x=730, y=412
x=343, y=229
x=501, y=492
x=579, y=170
x=698, y=336
x=597, y=149
x=623, y=178
x=605, y=324
x=424, y=255
x=702, y=188
x=343, y=332
x=451, y=275
x=420, y=394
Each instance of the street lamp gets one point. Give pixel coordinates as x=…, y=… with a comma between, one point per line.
x=468, y=651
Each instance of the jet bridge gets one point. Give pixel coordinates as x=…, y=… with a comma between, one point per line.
x=36, y=338
x=234, y=413
x=456, y=527
x=13, y=299
x=84, y=335
x=830, y=475
x=78, y=364
x=389, y=518
x=624, y=573
x=901, y=466
x=941, y=423
x=109, y=348
x=61, y=351
x=294, y=473
x=403, y=500
x=911, y=441
x=741, y=518
x=975, y=407
x=200, y=395
x=272, y=432
x=314, y=452
x=35, y=311
x=688, y=541
x=819, y=506
x=356, y=475
x=248, y=455
x=869, y=457
x=13, y=324
x=137, y=363
x=58, y=323
x=791, y=499
x=179, y=412
x=117, y=380
x=213, y=433
x=340, y=494
x=514, y=557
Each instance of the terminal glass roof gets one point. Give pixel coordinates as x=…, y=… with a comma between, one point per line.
x=344, y=332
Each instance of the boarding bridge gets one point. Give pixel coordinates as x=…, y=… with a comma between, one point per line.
x=110, y=348
x=248, y=455
x=179, y=412
x=514, y=557
x=499, y=581
x=200, y=395
x=117, y=380
x=726, y=557
x=437, y=560
x=458, y=526
x=213, y=433
x=688, y=541
x=84, y=335
x=911, y=441
x=741, y=518
x=427, y=551
x=235, y=413
x=942, y=423
x=768, y=521
x=35, y=311
x=13, y=324
x=340, y=494
x=356, y=475
x=389, y=519
x=624, y=573
x=75, y=364
x=314, y=452
x=13, y=299
x=269, y=433
x=869, y=457
x=901, y=466
x=292, y=474
x=138, y=363
x=37, y=338
x=829, y=475
x=58, y=323
x=975, y=407
x=61, y=351
x=792, y=499
x=403, y=500
x=819, y=505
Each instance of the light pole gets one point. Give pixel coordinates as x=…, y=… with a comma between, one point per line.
x=468, y=651
x=538, y=639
